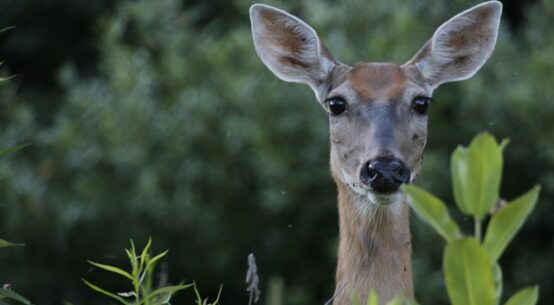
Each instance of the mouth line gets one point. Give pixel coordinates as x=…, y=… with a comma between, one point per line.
x=380, y=198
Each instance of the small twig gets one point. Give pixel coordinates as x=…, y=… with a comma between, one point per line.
x=252, y=280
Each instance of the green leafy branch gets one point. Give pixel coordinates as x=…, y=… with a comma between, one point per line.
x=470, y=263
x=141, y=278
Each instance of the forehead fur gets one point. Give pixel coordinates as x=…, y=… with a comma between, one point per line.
x=374, y=80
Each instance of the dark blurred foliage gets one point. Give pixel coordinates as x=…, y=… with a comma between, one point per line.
x=156, y=118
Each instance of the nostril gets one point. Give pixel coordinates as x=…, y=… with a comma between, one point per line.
x=372, y=173
x=400, y=173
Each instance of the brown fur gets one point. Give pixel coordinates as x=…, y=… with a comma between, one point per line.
x=286, y=37
x=473, y=33
x=373, y=253
x=374, y=249
x=370, y=79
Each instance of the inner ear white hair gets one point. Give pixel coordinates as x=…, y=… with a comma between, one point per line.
x=461, y=46
x=290, y=48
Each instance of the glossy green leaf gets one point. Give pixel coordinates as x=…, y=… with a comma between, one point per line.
x=10, y=294
x=433, y=211
x=459, y=172
x=507, y=221
x=468, y=273
x=476, y=175
x=525, y=296
x=372, y=298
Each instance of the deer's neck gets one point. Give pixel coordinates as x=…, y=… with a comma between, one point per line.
x=374, y=249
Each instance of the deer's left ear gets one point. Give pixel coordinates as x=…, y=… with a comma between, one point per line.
x=460, y=46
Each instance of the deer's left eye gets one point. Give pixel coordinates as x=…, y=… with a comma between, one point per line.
x=420, y=104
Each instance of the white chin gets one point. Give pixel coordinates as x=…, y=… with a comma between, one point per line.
x=385, y=199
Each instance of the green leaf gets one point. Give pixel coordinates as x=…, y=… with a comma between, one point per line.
x=497, y=276
x=112, y=269
x=411, y=302
x=372, y=298
x=5, y=79
x=104, y=292
x=200, y=301
x=165, y=293
x=397, y=301
x=2, y=30
x=525, y=296
x=7, y=244
x=507, y=221
x=144, y=256
x=468, y=273
x=433, y=211
x=476, y=174
x=9, y=150
x=10, y=294
x=156, y=258
x=459, y=171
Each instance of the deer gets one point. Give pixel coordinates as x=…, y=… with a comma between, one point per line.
x=378, y=115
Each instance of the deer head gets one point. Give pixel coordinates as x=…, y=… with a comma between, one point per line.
x=377, y=111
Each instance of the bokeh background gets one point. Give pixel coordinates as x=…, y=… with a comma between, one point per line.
x=156, y=118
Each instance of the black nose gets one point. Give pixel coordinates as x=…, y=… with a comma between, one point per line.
x=385, y=175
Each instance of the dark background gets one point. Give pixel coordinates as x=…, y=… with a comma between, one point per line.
x=156, y=118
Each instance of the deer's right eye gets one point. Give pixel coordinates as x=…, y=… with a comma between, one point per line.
x=336, y=105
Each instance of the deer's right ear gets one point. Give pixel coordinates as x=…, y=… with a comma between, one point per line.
x=290, y=48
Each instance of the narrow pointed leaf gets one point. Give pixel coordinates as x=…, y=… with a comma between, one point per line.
x=526, y=296
x=7, y=151
x=6, y=244
x=156, y=258
x=112, y=269
x=6, y=28
x=104, y=292
x=145, y=253
x=468, y=273
x=507, y=221
x=10, y=294
x=168, y=290
x=5, y=79
x=433, y=211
